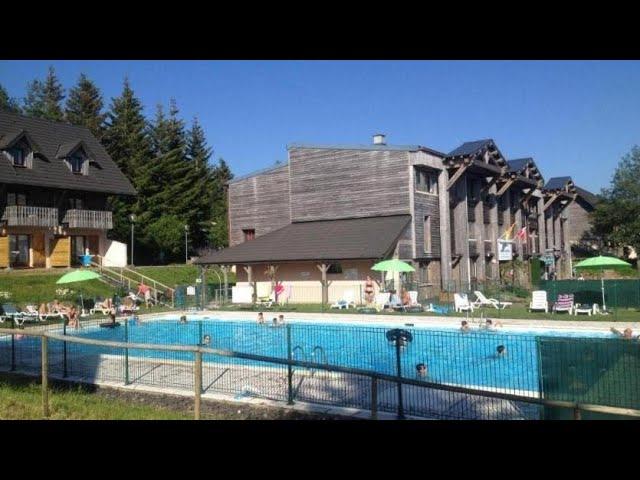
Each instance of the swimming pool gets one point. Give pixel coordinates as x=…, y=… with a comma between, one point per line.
x=451, y=356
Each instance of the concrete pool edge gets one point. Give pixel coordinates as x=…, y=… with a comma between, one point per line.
x=371, y=320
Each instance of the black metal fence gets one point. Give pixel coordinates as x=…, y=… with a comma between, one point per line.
x=370, y=368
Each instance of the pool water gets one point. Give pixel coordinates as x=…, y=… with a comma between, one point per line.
x=450, y=356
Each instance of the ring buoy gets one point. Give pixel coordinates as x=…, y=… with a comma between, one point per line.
x=398, y=334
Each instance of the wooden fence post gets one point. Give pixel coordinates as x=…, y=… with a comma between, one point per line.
x=44, y=353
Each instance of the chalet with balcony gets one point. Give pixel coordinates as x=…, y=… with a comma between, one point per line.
x=55, y=180
x=442, y=212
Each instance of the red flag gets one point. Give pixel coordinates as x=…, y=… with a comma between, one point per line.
x=522, y=233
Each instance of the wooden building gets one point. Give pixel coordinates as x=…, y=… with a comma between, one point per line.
x=55, y=180
x=458, y=205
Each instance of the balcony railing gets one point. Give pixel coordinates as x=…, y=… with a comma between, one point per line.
x=27, y=216
x=100, y=219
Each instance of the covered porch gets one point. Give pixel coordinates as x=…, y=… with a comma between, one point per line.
x=312, y=262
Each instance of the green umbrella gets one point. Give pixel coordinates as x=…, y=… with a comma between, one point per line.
x=78, y=276
x=393, y=265
x=602, y=263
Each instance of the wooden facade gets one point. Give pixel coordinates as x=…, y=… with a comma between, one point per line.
x=473, y=197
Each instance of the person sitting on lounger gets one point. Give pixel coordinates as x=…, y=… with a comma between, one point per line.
x=394, y=300
x=464, y=326
x=626, y=333
x=406, y=298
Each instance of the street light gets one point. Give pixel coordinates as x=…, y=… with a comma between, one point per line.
x=186, y=244
x=132, y=217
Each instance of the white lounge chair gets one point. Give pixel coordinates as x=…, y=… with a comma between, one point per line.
x=32, y=311
x=413, y=304
x=346, y=302
x=482, y=301
x=586, y=308
x=461, y=303
x=382, y=300
x=539, y=301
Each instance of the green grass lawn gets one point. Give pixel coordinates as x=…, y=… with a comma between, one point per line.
x=34, y=287
x=21, y=399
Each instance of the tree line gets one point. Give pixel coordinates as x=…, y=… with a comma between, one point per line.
x=169, y=164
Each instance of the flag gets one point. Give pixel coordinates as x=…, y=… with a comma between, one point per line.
x=508, y=232
x=522, y=233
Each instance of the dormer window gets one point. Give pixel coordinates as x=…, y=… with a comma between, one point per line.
x=77, y=161
x=18, y=156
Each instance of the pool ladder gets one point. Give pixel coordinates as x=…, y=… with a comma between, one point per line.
x=316, y=350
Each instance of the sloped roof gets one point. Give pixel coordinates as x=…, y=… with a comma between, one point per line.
x=556, y=182
x=587, y=196
x=518, y=164
x=48, y=169
x=345, y=239
x=469, y=148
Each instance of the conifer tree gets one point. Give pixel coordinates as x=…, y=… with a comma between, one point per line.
x=84, y=106
x=125, y=138
x=8, y=103
x=44, y=98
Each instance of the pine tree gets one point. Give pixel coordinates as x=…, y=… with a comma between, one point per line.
x=84, y=106
x=125, y=138
x=220, y=176
x=44, y=98
x=198, y=154
x=8, y=103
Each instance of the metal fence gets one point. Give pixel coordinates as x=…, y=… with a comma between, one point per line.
x=617, y=293
x=369, y=368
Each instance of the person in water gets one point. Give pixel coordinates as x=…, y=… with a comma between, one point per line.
x=183, y=319
x=626, y=333
x=206, y=340
x=421, y=370
x=260, y=317
x=464, y=326
x=281, y=319
x=501, y=350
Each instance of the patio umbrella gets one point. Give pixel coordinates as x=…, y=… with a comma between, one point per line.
x=78, y=276
x=393, y=265
x=602, y=263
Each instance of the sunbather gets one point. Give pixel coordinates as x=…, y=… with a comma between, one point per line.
x=406, y=298
x=74, y=319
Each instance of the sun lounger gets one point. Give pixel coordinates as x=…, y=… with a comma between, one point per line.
x=564, y=303
x=346, y=302
x=482, y=301
x=8, y=311
x=461, y=303
x=539, y=301
x=586, y=308
x=382, y=300
x=32, y=311
x=413, y=306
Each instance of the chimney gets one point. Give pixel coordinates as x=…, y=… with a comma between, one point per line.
x=379, y=139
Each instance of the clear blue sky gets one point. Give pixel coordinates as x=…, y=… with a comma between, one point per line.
x=574, y=118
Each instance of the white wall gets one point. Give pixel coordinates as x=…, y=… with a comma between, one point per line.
x=115, y=254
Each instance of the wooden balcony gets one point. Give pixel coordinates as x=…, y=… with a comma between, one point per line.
x=27, y=216
x=100, y=219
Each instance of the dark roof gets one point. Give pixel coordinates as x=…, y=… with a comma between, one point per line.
x=518, y=164
x=469, y=148
x=556, y=182
x=49, y=170
x=587, y=196
x=346, y=239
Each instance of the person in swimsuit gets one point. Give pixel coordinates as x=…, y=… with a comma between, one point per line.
x=369, y=290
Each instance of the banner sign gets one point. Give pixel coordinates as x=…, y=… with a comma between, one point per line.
x=505, y=250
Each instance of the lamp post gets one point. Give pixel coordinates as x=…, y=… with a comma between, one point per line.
x=186, y=244
x=132, y=217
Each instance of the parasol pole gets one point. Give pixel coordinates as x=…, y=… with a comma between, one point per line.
x=604, y=306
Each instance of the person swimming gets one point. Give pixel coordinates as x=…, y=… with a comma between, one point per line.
x=464, y=326
x=421, y=370
x=206, y=340
x=183, y=319
x=260, y=317
x=626, y=333
x=501, y=350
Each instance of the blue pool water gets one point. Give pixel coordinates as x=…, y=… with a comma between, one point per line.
x=451, y=356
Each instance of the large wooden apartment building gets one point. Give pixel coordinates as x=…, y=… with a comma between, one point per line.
x=331, y=211
x=55, y=180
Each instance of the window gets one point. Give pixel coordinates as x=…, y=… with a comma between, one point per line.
x=76, y=160
x=249, y=234
x=75, y=203
x=19, y=250
x=427, y=234
x=16, y=199
x=335, y=268
x=423, y=272
x=426, y=181
x=18, y=156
